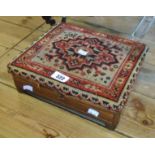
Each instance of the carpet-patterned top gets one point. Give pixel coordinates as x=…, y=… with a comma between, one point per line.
x=100, y=67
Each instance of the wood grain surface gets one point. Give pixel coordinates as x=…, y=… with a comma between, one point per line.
x=11, y=34
x=27, y=21
x=25, y=116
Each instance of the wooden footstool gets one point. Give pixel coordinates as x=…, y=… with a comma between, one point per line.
x=85, y=72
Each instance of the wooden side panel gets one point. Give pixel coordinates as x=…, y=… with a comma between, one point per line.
x=106, y=117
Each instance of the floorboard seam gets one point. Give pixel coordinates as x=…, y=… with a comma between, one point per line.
x=13, y=47
x=7, y=85
x=18, y=24
x=121, y=133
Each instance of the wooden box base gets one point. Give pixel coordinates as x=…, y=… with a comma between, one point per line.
x=75, y=105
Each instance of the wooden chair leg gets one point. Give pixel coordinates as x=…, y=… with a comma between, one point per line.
x=63, y=20
x=49, y=20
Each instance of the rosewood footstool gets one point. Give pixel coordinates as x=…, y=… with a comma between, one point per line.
x=85, y=72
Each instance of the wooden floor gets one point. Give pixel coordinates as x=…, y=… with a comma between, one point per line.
x=25, y=116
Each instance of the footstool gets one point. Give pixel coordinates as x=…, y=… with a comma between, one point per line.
x=83, y=71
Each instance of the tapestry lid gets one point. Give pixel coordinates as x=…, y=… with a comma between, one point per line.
x=99, y=67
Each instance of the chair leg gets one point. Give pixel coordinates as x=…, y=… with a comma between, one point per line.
x=63, y=20
x=49, y=20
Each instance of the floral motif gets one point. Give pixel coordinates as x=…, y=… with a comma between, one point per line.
x=98, y=53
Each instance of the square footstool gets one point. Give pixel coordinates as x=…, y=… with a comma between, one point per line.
x=85, y=72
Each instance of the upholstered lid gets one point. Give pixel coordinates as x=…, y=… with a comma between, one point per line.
x=94, y=66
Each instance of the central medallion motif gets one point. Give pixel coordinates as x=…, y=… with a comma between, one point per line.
x=96, y=52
